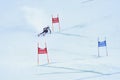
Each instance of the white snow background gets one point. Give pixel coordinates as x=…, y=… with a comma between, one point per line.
x=72, y=51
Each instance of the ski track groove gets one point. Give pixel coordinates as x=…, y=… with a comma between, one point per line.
x=67, y=34
x=77, y=70
x=85, y=78
x=99, y=74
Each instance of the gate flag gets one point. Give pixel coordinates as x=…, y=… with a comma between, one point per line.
x=101, y=44
x=55, y=20
x=42, y=51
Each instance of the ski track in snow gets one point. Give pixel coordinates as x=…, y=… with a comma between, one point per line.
x=86, y=1
x=76, y=71
x=73, y=27
x=68, y=34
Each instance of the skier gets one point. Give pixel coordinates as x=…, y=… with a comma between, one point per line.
x=45, y=31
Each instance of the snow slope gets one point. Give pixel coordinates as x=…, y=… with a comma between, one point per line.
x=73, y=56
x=72, y=51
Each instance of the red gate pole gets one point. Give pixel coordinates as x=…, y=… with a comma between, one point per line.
x=38, y=55
x=47, y=51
